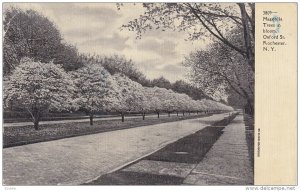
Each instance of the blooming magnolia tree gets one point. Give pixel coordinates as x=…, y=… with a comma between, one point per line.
x=184, y=102
x=157, y=99
x=178, y=101
x=200, y=106
x=210, y=105
x=38, y=88
x=189, y=105
x=128, y=95
x=146, y=102
x=194, y=106
x=169, y=101
x=92, y=87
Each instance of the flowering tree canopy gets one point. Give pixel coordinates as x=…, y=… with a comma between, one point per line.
x=38, y=87
x=170, y=101
x=157, y=99
x=41, y=87
x=92, y=83
x=128, y=95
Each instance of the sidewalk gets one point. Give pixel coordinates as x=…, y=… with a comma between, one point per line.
x=227, y=162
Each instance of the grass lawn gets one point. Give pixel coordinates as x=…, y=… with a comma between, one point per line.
x=15, y=136
x=195, y=146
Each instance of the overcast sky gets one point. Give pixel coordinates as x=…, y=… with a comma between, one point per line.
x=95, y=28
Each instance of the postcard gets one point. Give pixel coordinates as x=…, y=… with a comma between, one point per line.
x=149, y=93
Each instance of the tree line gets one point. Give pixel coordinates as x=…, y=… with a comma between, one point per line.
x=42, y=73
x=30, y=34
x=38, y=88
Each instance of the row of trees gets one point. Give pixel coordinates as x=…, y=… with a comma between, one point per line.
x=42, y=87
x=119, y=64
x=30, y=34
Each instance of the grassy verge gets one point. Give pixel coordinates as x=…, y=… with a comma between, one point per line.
x=16, y=136
x=192, y=148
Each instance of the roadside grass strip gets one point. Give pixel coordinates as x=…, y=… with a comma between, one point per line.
x=190, y=149
x=23, y=135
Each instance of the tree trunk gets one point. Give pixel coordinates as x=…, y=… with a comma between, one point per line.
x=143, y=115
x=122, y=116
x=247, y=37
x=157, y=114
x=36, y=124
x=183, y=113
x=177, y=113
x=168, y=114
x=250, y=107
x=36, y=119
x=91, y=119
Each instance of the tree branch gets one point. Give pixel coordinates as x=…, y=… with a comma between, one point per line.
x=252, y=20
x=225, y=41
x=247, y=36
x=225, y=78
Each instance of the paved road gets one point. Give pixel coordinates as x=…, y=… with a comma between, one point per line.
x=226, y=163
x=83, y=120
x=77, y=160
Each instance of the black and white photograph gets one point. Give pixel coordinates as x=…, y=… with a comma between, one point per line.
x=139, y=93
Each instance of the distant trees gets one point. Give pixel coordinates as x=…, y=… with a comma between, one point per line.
x=119, y=64
x=37, y=88
x=68, y=57
x=161, y=82
x=181, y=86
x=30, y=34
